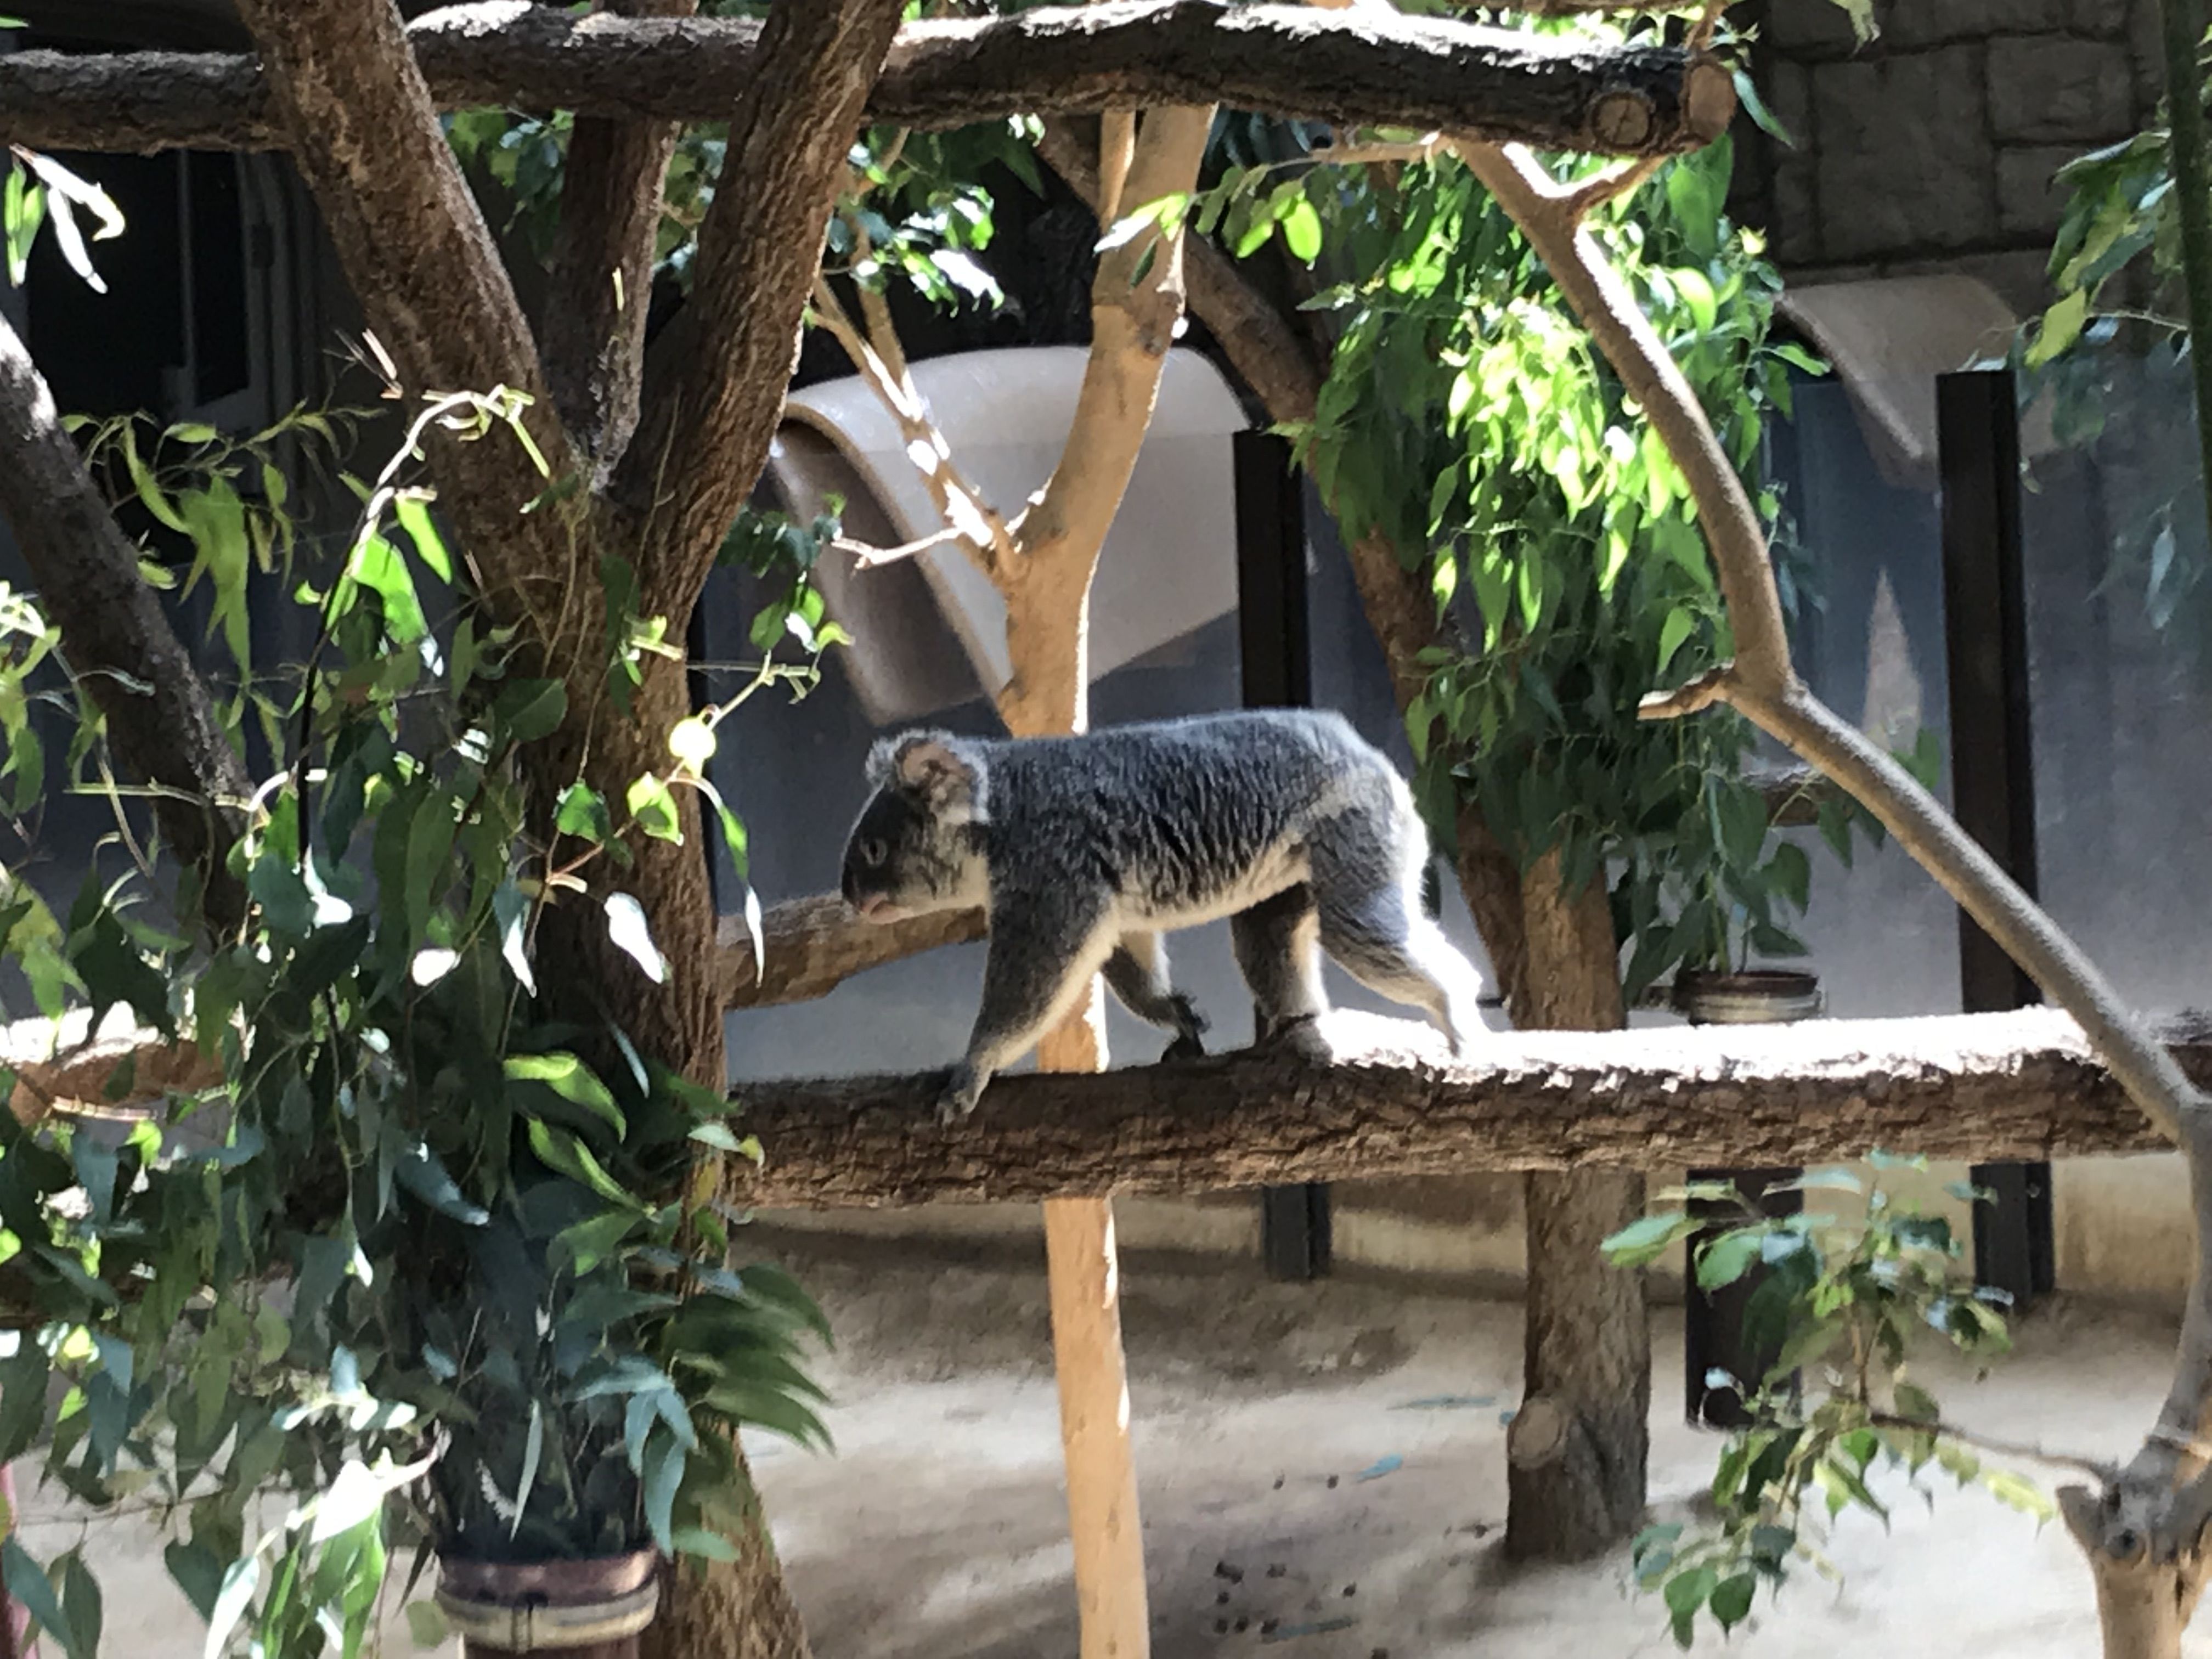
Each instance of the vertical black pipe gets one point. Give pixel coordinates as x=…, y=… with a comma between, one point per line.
x=1717, y=1332
x=1274, y=642
x=1992, y=759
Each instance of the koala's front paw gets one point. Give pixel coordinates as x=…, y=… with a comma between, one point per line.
x=1185, y=1046
x=958, y=1095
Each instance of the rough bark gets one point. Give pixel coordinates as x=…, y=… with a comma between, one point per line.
x=600, y=282
x=2023, y=1085
x=2145, y=1597
x=1576, y=1452
x=161, y=718
x=1982, y=1086
x=714, y=381
x=814, y=945
x=1421, y=73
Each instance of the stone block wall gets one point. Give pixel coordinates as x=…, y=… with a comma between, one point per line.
x=1932, y=147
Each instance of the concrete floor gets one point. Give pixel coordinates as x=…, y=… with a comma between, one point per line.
x=1322, y=1473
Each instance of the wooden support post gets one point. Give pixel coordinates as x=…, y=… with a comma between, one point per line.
x=1992, y=761
x=1084, y=1273
x=1094, y=1389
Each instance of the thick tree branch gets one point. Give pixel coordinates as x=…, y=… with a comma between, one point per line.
x=418, y=256
x=1984, y=1086
x=815, y=944
x=161, y=719
x=1267, y=354
x=1136, y=301
x=1283, y=60
x=1981, y=1086
x=715, y=380
x=602, y=265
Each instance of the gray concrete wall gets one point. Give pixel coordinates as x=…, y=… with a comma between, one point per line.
x=1933, y=147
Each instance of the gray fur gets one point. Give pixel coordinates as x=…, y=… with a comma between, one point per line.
x=1086, y=850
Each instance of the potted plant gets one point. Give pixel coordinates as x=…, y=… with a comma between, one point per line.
x=1734, y=884
x=436, y=1266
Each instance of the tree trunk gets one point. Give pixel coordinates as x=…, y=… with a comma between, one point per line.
x=735, y=1610
x=1575, y=1453
x=2145, y=1596
x=739, y=1609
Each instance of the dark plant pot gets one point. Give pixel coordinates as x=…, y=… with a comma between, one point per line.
x=1758, y=996
x=592, y=1608
x=1713, y=1333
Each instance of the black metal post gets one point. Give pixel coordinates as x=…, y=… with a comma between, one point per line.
x=1992, y=759
x=1717, y=1334
x=1278, y=670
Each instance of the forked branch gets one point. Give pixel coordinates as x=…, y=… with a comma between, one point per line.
x=1762, y=682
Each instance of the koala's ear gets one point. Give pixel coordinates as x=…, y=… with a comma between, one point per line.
x=934, y=769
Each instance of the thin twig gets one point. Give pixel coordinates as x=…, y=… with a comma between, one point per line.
x=868, y=556
x=977, y=525
x=1615, y=181
x=2091, y=1467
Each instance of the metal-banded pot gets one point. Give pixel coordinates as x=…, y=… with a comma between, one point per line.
x=1758, y=996
x=592, y=1607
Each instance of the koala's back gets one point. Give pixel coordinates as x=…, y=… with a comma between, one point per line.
x=1191, y=819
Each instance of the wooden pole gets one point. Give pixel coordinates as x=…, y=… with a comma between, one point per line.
x=1085, y=1272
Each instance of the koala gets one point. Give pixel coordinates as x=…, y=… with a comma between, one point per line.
x=1083, y=851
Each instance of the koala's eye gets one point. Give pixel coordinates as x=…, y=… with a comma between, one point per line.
x=872, y=851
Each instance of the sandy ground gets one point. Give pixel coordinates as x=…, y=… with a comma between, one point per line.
x=1322, y=1476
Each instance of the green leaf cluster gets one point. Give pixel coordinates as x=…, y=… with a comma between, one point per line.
x=433, y=1264
x=1468, y=422
x=1842, y=1304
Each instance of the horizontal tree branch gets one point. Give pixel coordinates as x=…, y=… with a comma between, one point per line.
x=1283, y=60
x=815, y=944
x=1989, y=1087
x=1986, y=1087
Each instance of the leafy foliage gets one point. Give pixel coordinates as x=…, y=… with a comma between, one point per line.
x=916, y=208
x=1842, y=1305
x=2115, y=264
x=416, y=1266
x=1468, y=422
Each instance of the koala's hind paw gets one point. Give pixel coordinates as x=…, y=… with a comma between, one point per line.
x=1299, y=1035
x=958, y=1094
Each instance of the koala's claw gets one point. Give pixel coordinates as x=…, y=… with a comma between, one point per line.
x=1299, y=1036
x=1185, y=1046
x=957, y=1096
